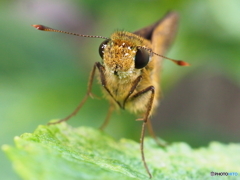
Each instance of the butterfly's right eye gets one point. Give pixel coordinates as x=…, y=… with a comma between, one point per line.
x=141, y=59
x=102, y=47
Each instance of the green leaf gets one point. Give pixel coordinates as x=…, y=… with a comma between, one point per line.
x=63, y=152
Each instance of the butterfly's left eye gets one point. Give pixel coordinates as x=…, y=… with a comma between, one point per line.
x=102, y=47
x=141, y=58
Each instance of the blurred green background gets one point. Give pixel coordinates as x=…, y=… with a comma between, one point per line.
x=43, y=75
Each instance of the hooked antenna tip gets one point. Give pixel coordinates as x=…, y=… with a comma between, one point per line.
x=182, y=63
x=39, y=27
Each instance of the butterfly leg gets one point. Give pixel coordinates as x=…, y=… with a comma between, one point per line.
x=145, y=121
x=91, y=77
x=107, y=119
x=151, y=132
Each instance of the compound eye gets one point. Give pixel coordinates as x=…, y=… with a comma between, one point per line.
x=102, y=47
x=141, y=58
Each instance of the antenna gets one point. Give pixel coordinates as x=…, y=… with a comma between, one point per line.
x=45, y=28
x=178, y=62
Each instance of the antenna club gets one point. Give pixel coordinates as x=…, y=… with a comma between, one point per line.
x=39, y=27
x=183, y=63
